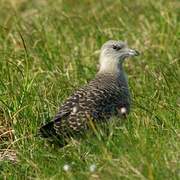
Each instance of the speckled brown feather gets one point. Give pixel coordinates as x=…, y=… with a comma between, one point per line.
x=98, y=101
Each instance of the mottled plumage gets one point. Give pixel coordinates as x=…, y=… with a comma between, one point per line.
x=106, y=95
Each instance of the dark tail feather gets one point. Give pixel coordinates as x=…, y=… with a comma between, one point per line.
x=47, y=130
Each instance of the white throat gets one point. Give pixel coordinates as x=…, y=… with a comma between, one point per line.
x=109, y=65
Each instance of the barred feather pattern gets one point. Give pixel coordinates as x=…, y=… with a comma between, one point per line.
x=97, y=101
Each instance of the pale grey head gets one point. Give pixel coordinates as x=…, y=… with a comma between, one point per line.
x=113, y=53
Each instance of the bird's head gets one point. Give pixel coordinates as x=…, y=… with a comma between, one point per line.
x=113, y=53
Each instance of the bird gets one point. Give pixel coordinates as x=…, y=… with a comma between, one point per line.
x=104, y=96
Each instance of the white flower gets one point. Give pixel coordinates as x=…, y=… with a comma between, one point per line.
x=66, y=167
x=92, y=168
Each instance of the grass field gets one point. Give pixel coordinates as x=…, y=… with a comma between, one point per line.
x=49, y=48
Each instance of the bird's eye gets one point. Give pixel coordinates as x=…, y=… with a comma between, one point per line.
x=116, y=47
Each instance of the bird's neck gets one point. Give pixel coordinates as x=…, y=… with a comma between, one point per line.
x=115, y=68
x=110, y=66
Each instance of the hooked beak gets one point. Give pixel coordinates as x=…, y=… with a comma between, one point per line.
x=132, y=52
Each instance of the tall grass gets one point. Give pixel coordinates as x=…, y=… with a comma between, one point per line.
x=50, y=48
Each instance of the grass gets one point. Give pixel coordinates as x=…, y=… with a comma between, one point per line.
x=49, y=48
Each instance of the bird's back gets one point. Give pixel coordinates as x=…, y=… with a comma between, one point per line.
x=97, y=101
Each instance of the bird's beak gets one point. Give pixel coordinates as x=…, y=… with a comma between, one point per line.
x=132, y=52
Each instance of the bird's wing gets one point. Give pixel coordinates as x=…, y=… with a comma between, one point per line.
x=67, y=108
x=61, y=118
x=70, y=112
x=96, y=101
x=92, y=101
